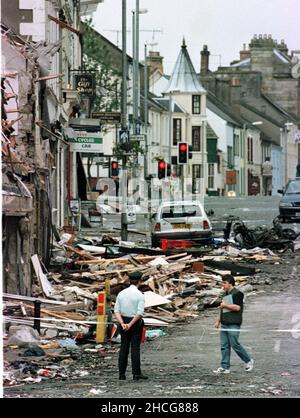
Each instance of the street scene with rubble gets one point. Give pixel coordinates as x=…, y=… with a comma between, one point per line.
x=123, y=177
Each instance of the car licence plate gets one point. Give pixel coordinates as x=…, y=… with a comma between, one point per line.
x=181, y=226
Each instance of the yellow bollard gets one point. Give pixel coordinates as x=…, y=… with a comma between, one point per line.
x=101, y=322
x=108, y=314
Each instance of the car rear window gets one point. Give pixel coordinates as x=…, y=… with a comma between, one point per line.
x=180, y=211
x=293, y=187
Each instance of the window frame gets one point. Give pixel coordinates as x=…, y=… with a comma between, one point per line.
x=196, y=105
x=196, y=129
x=177, y=131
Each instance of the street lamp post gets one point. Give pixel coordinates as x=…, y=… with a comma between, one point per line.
x=146, y=112
x=135, y=55
x=124, y=230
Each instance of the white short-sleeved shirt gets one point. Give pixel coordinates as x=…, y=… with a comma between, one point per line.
x=130, y=302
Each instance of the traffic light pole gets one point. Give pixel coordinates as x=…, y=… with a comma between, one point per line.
x=124, y=229
x=182, y=182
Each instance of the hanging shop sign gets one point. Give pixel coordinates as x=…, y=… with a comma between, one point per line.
x=87, y=142
x=107, y=117
x=231, y=177
x=84, y=84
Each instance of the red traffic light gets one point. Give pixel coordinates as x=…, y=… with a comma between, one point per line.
x=114, y=169
x=161, y=174
x=183, y=147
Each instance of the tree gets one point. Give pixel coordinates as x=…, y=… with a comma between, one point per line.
x=97, y=58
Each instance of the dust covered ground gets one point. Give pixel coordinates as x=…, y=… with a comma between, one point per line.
x=180, y=363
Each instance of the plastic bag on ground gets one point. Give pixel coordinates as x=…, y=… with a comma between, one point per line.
x=23, y=336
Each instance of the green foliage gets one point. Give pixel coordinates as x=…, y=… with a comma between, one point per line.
x=132, y=147
x=97, y=58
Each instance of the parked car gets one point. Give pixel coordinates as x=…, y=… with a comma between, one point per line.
x=184, y=220
x=289, y=205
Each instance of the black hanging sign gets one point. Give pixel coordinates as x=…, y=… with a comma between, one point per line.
x=84, y=84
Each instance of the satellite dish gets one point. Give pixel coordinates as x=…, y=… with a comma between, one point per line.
x=296, y=71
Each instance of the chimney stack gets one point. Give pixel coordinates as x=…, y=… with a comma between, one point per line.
x=155, y=62
x=244, y=54
x=204, y=60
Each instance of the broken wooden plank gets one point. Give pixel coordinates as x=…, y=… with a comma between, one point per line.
x=82, y=254
x=47, y=288
x=33, y=299
x=92, y=248
x=150, y=321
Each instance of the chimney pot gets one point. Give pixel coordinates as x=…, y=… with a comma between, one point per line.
x=204, y=68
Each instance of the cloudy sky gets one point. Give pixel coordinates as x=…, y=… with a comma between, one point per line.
x=223, y=25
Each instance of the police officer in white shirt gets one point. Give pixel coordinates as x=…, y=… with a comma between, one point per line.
x=129, y=311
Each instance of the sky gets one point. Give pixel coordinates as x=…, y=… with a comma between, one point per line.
x=223, y=25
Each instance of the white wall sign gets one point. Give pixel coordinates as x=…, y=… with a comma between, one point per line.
x=87, y=142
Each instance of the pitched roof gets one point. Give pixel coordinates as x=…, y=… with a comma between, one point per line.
x=224, y=111
x=184, y=78
x=210, y=133
x=165, y=103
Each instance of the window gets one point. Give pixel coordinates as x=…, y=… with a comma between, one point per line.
x=236, y=144
x=176, y=131
x=230, y=158
x=211, y=175
x=250, y=149
x=196, y=138
x=196, y=104
x=196, y=178
x=179, y=211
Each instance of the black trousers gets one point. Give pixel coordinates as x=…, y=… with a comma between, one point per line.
x=131, y=338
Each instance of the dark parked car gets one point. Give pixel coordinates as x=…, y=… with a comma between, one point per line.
x=289, y=205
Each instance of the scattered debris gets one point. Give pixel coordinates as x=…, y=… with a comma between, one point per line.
x=177, y=287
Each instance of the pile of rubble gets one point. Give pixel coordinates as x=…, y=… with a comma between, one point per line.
x=177, y=287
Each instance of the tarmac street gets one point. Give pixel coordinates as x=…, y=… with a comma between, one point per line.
x=180, y=363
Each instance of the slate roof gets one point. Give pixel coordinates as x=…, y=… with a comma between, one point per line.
x=210, y=133
x=184, y=77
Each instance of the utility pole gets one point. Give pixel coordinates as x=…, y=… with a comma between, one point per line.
x=146, y=112
x=124, y=230
x=137, y=60
x=148, y=181
x=134, y=74
x=170, y=128
x=203, y=134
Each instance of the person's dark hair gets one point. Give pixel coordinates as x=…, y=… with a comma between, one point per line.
x=267, y=158
x=229, y=278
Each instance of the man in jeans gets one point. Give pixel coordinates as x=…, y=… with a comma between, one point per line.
x=230, y=321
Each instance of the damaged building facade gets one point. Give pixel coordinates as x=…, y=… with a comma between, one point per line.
x=37, y=102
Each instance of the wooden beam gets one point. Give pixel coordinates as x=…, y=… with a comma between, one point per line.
x=48, y=77
x=32, y=299
x=63, y=25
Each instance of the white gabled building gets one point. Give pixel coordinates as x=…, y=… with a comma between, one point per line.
x=184, y=98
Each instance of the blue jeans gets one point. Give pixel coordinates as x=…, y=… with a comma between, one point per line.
x=229, y=336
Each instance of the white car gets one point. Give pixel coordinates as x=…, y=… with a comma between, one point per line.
x=184, y=220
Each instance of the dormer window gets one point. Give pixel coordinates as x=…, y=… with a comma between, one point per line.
x=196, y=104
